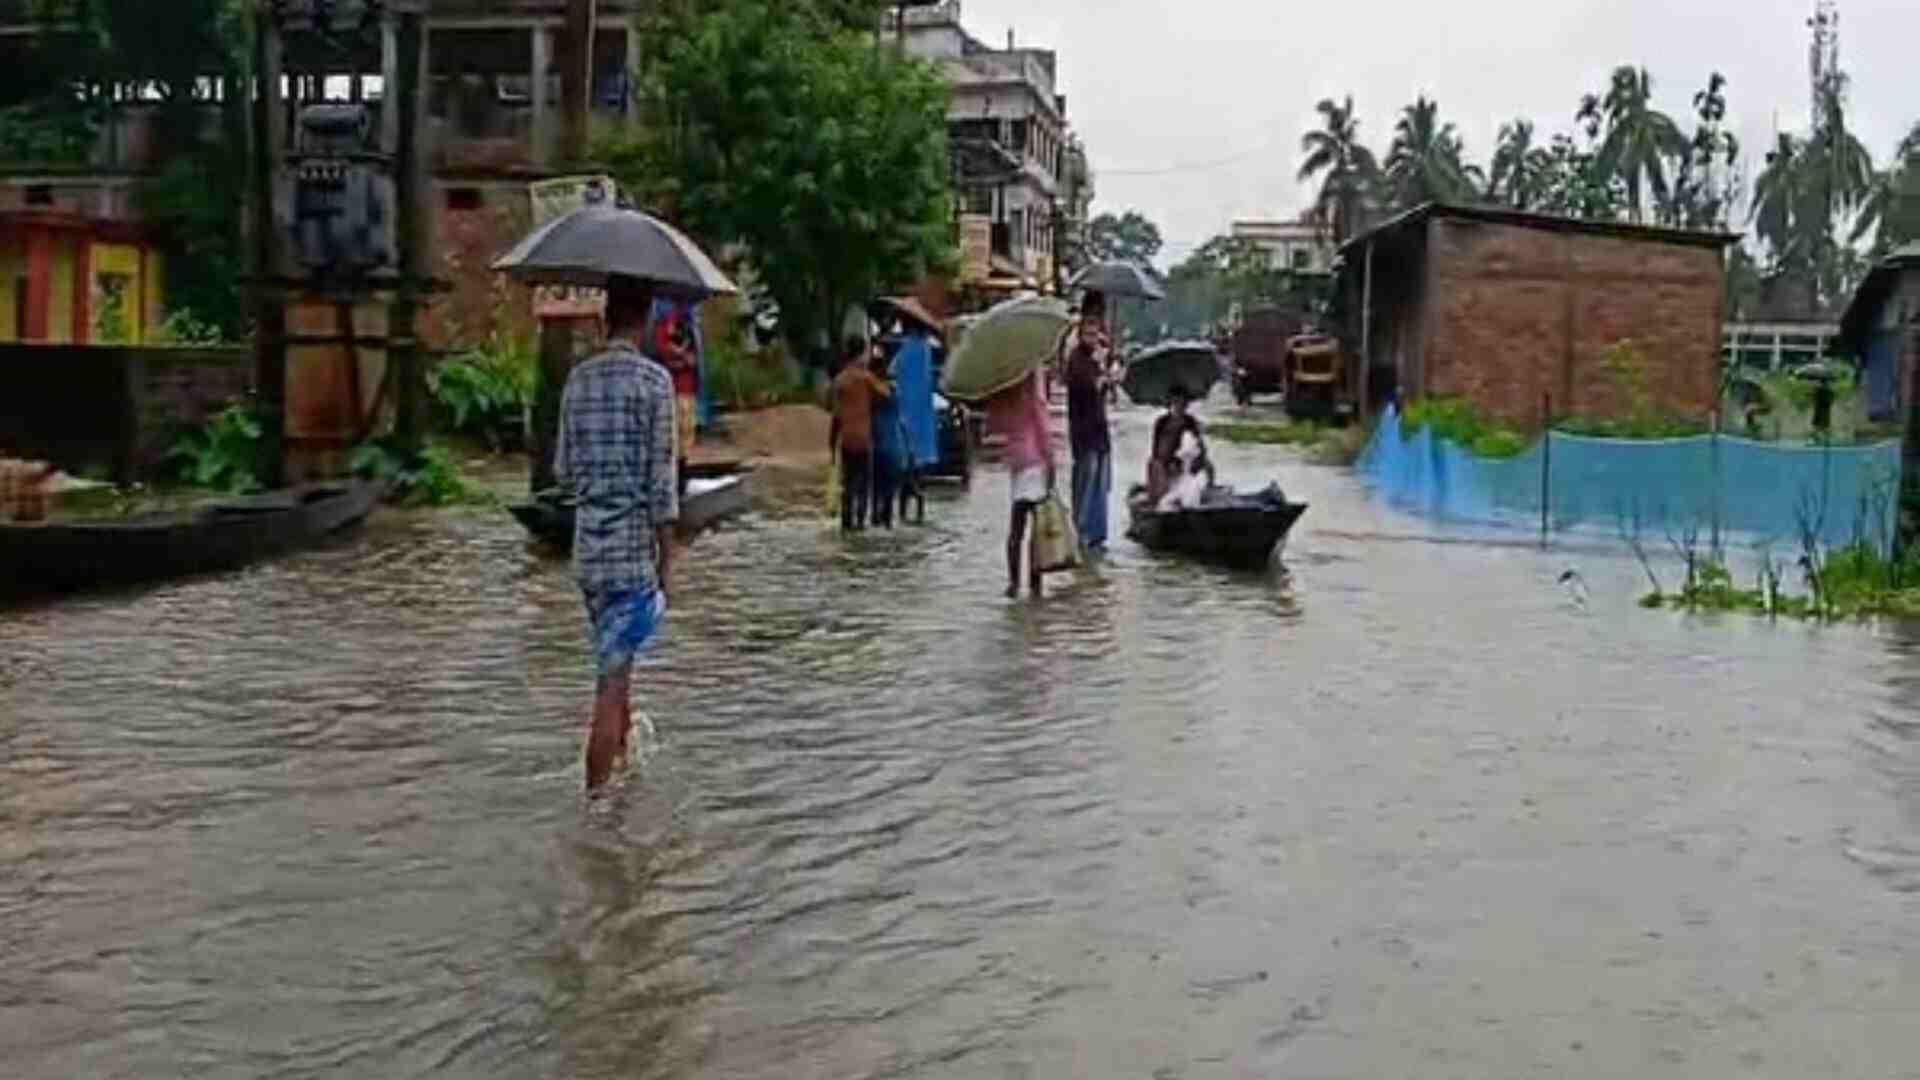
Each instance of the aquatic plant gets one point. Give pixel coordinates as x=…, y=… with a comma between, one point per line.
x=222, y=454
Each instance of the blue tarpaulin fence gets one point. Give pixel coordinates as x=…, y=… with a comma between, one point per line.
x=1715, y=484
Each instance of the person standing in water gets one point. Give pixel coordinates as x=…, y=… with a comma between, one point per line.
x=675, y=347
x=854, y=392
x=913, y=389
x=1019, y=415
x=1087, y=429
x=615, y=452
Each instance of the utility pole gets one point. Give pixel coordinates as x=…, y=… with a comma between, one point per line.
x=576, y=79
x=268, y=125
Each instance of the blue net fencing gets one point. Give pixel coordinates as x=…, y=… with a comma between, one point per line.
x=1766, y=493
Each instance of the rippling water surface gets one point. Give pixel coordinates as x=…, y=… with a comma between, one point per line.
x=1409, y=813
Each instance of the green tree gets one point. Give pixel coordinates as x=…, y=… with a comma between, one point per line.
x=1426, y=162
x=1129, y=237
x=1706, y=181
x=776, y=130
x=1522, y=170
x=1348, y=172
x=92, y=53
x=1639, y=139
x=1891, y=210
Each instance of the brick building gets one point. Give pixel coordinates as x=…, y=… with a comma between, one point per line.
x=1504, y=308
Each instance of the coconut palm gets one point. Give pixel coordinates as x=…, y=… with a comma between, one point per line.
x=1781, y=202
x=1891, y=210
x=1521, y=170
x=1639, y=139
x=1425, y=163
x=1346, y=167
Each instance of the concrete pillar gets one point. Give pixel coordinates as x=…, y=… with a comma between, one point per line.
x=39, y=296
x=631, y=107
x=82, y=306
x=537, y=91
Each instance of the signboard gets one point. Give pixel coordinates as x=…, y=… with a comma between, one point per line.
x=976, y=247
x=552, y=199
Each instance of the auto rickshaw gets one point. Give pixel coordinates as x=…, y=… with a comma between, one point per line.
x=1315, y=378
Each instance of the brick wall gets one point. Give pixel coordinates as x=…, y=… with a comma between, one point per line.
x=112, y=408
x=1519, y=312
x=467, y=239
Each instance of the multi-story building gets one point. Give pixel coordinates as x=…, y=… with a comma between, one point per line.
x=1298, y=245
x=1016, y=161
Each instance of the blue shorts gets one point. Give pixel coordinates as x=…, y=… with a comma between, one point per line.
x=620, y=623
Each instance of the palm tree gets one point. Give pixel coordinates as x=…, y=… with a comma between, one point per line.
x=1521, y=170
x=1425, y=164
x=1780, y=198
x=1639, y=139
x=1891, y=210
x=1347, y=169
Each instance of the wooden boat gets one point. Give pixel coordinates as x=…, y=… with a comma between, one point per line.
x=1234, y=529
x=63, y=556
x=708, y=499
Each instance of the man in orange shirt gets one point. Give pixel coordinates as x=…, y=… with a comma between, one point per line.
x=853, y=394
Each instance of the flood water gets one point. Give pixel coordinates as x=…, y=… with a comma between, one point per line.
x=1411, y=812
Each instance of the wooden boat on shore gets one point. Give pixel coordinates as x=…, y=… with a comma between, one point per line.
x=1233, y=529
x=708, y=498
x=64, y=556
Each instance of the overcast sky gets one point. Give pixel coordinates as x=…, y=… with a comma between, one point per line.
x=1154, y=84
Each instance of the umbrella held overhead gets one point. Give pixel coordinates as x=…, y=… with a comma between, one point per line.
x=594, y=243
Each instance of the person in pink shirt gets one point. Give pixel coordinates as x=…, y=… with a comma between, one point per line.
x=1019, y=414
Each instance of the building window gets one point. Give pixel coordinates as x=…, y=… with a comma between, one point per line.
x=1302, y=258
x=465, y=198
x=39, y=195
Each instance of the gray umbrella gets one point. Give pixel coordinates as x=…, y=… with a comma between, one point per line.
x=1118, y=278
x=593, y=243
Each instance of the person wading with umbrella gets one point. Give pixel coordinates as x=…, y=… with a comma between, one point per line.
x=1087, y=429
x=615, y=448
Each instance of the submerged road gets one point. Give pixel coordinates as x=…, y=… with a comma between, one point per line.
x=1412, y=812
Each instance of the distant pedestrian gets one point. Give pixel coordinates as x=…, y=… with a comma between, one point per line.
x=616, y=453
x=1087, y=429
x=675, y=346
x=1019, y=415
x=890, y=458
x=913, y=389
x=853, y=394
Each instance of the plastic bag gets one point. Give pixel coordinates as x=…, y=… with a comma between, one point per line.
x=1054, y=545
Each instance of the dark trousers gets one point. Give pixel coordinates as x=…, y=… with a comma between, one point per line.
x=886, y=482
x=856, y=488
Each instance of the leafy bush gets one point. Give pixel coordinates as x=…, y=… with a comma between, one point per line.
x=1456, y=420
x=431, y=479
x=487, y=393
x=1290, y=434
x=738, y=377
x=223, y=454
x=1643, y=426
x=183, y=326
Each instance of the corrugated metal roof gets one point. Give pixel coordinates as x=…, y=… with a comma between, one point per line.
x=1553, y=222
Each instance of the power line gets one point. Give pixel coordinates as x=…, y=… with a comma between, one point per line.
x=1197, y=166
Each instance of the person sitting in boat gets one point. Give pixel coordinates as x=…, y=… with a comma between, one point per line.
x=1170, y=429
x=1188, y=490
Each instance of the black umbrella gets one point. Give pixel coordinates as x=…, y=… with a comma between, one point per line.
x=596, y=242
x=1153, y=376
x=1118, y=278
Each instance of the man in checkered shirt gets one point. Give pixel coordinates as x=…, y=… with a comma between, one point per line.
x=616, y=454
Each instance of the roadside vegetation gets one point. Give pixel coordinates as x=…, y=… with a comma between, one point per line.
x=1324, y=444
